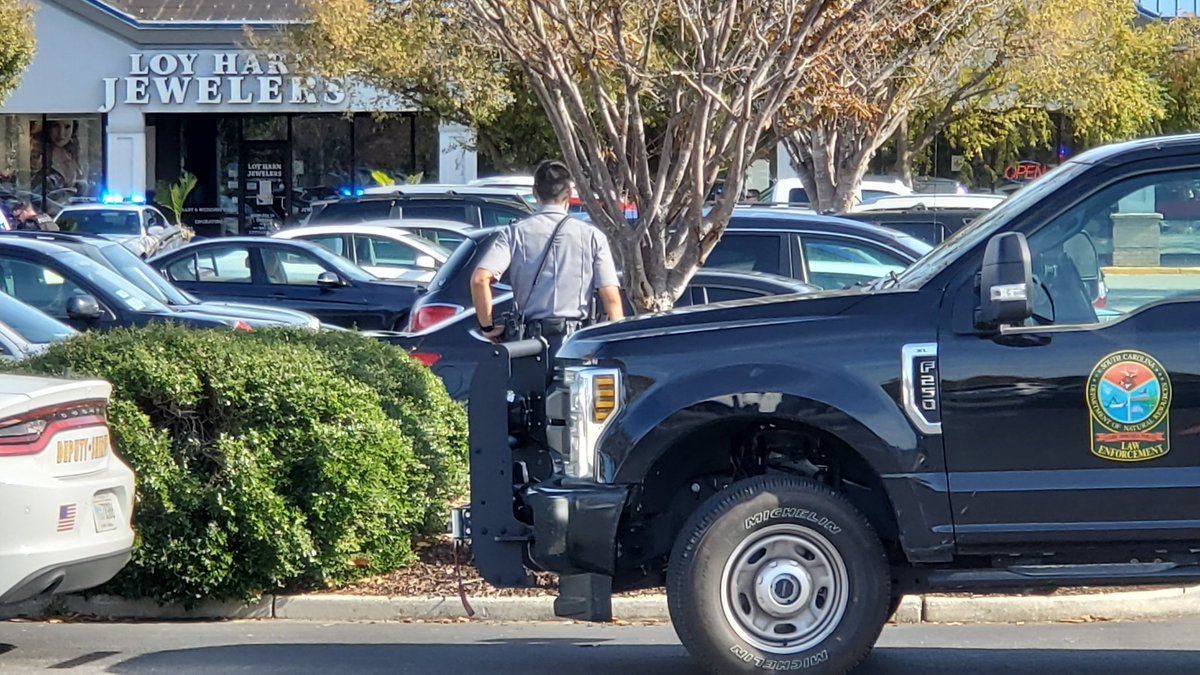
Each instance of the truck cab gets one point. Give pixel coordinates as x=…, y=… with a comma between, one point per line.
x=789, y=467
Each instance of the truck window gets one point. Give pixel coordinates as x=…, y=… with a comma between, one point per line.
x=1125, y=247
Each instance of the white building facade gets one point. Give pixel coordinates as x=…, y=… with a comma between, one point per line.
x=124, y=94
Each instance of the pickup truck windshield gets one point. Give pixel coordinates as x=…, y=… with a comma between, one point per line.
x=941, y=257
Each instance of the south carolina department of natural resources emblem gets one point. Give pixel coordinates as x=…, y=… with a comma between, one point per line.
x=1129, y=398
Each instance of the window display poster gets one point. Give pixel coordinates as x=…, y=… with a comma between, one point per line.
x=56, y=157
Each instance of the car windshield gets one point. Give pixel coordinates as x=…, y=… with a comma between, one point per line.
x=983, y=227
x=33, y=326
x=124, y=292
x=101, y=221
x=144, y=276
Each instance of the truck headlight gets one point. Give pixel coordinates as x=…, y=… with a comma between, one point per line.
x=595, y=398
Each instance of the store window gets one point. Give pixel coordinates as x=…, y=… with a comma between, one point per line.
x=51, y=160
x=321, y=159
x=383, y=147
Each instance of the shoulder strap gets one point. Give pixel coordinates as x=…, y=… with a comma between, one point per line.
x=545, y=254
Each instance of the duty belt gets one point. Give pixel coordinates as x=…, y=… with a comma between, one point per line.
x=552, y=327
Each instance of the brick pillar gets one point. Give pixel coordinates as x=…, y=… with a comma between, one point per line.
x=1136, y=239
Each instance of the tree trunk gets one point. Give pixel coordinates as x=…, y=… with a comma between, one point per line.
x=905, y=154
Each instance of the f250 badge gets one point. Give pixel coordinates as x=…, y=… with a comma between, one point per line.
x=1129, y=399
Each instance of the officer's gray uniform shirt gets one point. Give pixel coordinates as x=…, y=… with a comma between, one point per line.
x=579, y=263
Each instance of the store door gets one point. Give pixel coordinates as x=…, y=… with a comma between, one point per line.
x=266, y=186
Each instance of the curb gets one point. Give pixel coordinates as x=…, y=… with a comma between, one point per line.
x=1168, y=603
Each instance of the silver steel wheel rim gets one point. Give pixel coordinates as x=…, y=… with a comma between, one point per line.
x=784, y=589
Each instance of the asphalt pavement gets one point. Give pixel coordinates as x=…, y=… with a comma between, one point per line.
x=299, y=648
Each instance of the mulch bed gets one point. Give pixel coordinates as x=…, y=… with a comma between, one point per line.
x=432, y=576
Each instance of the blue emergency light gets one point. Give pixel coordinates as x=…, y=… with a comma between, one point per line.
x=118, y=198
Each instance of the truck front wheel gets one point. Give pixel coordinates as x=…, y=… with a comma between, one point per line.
x=778, y=573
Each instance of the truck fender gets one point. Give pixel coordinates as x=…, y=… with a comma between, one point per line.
x=830, y=399
x=864, y=417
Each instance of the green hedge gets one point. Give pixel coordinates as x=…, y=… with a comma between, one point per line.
x=270, y=460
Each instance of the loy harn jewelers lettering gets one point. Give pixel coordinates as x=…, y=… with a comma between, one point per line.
x=237, y=79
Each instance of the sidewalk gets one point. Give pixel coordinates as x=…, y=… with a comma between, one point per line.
x=1168, y=603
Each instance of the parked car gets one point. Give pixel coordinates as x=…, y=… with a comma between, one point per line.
x=792, y=191
x=141, y=228
x=513, y=180
x=136, y=271
x=24, y=331
x=936, y=185
x=444, y=233
x=68, y=498
x=476, y=211
x=442, y=331
x=824, y=251
x=386, y=252
x=929, y=225
x=298, y=275
x=981, y=202
x=518, y=195
x=83, y=293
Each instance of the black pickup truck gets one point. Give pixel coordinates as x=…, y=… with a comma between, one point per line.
x=789, y=467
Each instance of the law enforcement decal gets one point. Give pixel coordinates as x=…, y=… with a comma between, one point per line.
x=1129, y=400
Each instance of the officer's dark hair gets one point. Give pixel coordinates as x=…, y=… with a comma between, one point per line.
x=552, y=182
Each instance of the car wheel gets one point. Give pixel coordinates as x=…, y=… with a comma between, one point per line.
x=778, y=573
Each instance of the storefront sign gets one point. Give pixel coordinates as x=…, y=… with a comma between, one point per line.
x=1025, y=170
x=237, y=78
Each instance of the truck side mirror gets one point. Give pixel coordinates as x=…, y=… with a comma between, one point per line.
x=1005, y=282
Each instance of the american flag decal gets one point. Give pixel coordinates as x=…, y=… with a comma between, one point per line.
x=66, y=518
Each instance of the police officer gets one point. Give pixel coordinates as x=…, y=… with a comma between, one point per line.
x=555, y=263
x=25, y=217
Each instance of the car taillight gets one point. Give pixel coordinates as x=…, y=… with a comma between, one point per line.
x=428, y=316
x=243, y=326
x=426, y=359
x=28, y=434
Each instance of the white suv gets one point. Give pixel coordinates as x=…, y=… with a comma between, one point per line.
x=67, y=499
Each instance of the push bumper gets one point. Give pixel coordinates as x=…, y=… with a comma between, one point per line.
x=575, y=525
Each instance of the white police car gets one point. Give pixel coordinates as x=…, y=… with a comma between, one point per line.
x=67, y=498
x=132, y=222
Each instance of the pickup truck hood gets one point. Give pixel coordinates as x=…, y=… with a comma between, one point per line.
x=720, y=316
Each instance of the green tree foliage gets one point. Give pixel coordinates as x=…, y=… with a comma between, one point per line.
x=269, y=460
x=1091, y=60
x=17, y=43
x=1180, y=75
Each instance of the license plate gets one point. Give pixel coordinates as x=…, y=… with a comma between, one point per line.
x=104, y=511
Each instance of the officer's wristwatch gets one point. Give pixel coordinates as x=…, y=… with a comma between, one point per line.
x=488, y=328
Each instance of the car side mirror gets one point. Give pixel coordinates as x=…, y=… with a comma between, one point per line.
x=426, y=262
x=156, y=230
x=1005, y=282
x=83, y=308
x=330, y=280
